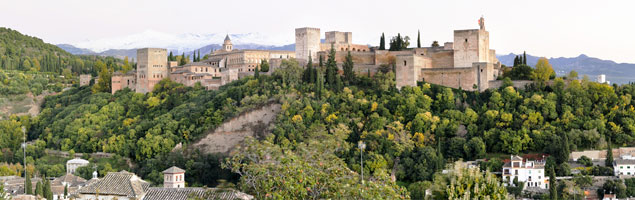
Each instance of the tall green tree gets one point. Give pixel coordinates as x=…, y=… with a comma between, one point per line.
x=183, y=60
x=256, y=72
x=48, y=192
x=418, y=39
x=553, y=189
x=105, y=75
x=319, y=83
x=524, y=57
x=308, y=71
x=331, y=69
x=38, y=189
x=28, y=184
x=608, y=162
x=543, y=71
x=171, y=57
x=382, y=42
x=264, y=65
x=349, y=74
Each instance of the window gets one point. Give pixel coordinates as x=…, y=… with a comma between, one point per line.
x=465, y=39
x=621, y=167
x=404, y=63
x=516, y=172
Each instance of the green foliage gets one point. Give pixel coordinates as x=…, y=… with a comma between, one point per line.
x=264, y=65
x=543, y=71
x=586, y=161
x=462, y=182
x=382, y=42
x=608, y=162
x=418, y=39
x=28, y=185
x=104, y=83
x=614, y=187
x=397, y=43
x=418, y=189
x=349, y=74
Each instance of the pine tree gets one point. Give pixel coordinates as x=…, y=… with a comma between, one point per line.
x=609, y=155
x=349, y=74
x=28, y=184
x=418, y=39
x=382, y=42
x=331, y=68
x=553, y=191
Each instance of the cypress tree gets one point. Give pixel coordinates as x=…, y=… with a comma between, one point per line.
x=182, y=61
x=27, y=181
x=199, y=56
x=319, y=83
x=65, y=191
x=171, y=57
x=331, y=68
x=308, y=71
x=524, y=57
x=38, y=189
x=398, y=42
x=48, y=193
x=418, y=39
x=349, y=74
x=609, y=155
x=256, y=72
x=382, y=42
x=553, y=192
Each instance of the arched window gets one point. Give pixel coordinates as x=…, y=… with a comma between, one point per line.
x=404, y=63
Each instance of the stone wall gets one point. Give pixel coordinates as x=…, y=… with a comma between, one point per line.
x=463, y=78
x=601, y=154
x=84, y=79
x=152, y=67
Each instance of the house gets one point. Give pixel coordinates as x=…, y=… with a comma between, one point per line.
x=68, y=181
x=73, y=164
x=624, y=166
x=121, y=185
x=531, y=172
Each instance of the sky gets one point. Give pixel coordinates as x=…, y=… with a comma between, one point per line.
x=550, y=28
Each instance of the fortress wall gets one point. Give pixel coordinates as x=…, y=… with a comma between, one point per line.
x=464, y=78
x=466, y=47
x=442, y=59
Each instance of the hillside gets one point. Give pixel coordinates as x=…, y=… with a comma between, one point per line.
x=619, y=73
x=27, y=53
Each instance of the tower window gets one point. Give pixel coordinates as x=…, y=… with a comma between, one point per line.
x=404, y=63
x=465, y=39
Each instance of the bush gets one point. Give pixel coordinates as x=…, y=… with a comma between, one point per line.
x=586, y=161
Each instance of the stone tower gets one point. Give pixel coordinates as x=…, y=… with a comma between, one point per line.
x=307, y=42
x=227, y=44
x=174, y=177
x=471, y=46
x=152, y=67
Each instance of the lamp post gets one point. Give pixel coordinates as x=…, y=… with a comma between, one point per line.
x=361, y=146
x=24, y=158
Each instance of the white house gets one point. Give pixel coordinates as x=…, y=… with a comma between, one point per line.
x=532, y=173
x=624, y=166
x=174, y=177
x=73, y=164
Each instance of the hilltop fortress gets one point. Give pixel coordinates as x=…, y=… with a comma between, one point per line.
x=466, y=63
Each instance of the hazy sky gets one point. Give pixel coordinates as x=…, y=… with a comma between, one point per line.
x=551, y=28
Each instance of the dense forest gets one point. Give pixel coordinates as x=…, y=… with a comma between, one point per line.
x=410, y=134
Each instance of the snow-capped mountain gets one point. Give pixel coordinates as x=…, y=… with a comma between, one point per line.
x=185, y=42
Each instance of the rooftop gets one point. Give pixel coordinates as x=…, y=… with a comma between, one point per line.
x=620, y=161
x=158, y=193
x=117, y=183
x=173, y=170
x=77, y=161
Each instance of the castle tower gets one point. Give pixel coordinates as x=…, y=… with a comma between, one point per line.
x=307, y=42
x=471, y=46
x=227, y=44
x=152, y=67
x=174, y=177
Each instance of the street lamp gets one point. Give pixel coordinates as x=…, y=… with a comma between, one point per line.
x=24, y=158
x=361, y=146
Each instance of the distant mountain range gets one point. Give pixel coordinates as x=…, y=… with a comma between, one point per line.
x=619, y=73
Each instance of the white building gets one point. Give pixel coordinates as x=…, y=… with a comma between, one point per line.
x=602, y=79
x=624, y=166
x=532, y=173
x=73, y=164
x=174, y=177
